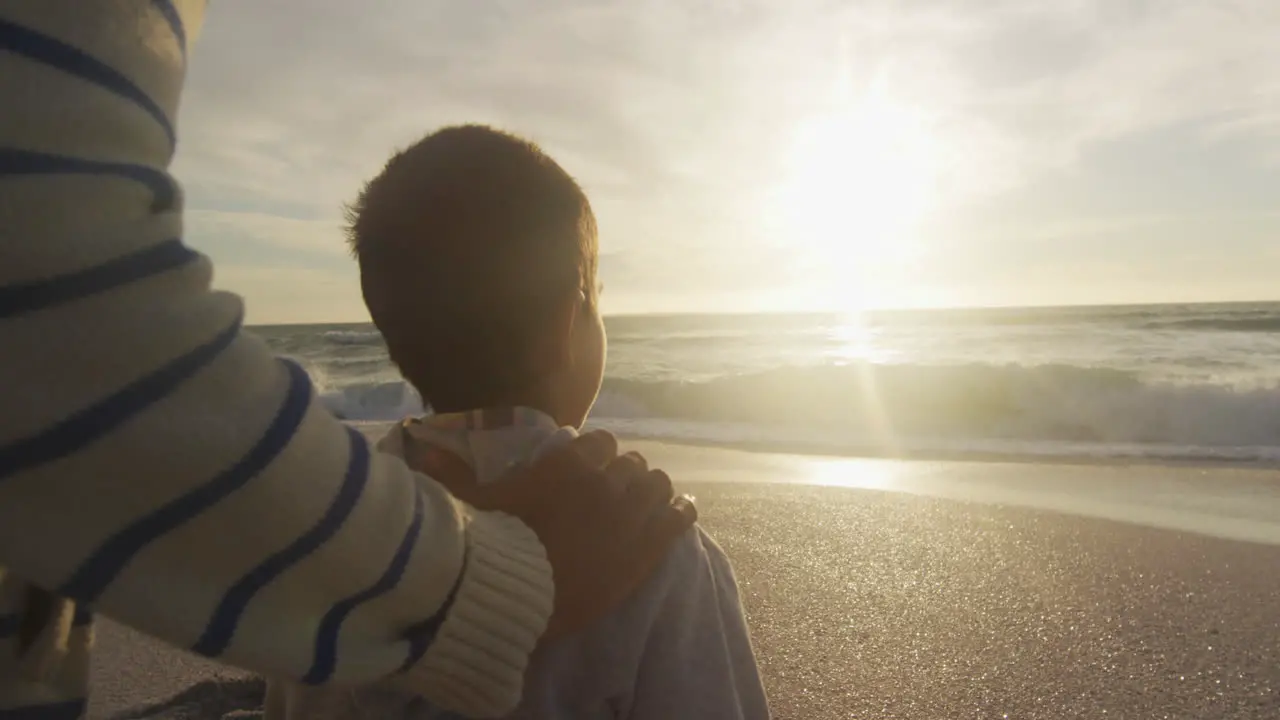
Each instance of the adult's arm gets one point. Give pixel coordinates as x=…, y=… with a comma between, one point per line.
x=156, y=463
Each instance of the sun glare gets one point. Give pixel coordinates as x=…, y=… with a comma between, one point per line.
x=858, y=181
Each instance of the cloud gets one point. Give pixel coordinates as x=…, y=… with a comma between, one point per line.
x=322, y=238
x=300, y=101
x=287, y=269
x=284, y=295
x=1173, y=63
x=677, y=116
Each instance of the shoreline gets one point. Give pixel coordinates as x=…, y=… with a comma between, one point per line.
x=374, y=428
x=1229, y=503
x=958, y=456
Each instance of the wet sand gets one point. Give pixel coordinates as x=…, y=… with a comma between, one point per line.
x=896, y=589
x=872, y=604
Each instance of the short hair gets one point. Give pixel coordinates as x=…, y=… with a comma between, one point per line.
x=468, y=242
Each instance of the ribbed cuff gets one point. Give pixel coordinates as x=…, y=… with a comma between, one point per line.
x=476, y=664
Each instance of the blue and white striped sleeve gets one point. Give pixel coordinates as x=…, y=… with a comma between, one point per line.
x=156, y=463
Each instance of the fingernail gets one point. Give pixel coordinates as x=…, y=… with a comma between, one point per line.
x=686, y=506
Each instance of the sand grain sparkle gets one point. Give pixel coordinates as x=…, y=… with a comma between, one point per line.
x=867, y=604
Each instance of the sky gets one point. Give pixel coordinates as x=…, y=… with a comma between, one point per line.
x=757, y=155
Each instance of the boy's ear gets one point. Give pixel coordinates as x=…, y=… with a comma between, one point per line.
x=564, y=318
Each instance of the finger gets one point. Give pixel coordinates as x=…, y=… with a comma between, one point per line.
x=450, y=471
x=598, y=447
x=637, y=459
x=669, y=522
x=625, y=471
x=652, y=491
x=686, y=506
x=663, y=529
x=644, y=496
x=628, y=466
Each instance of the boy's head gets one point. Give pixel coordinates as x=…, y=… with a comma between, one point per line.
x=477, y=261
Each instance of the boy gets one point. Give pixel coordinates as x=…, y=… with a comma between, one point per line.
x=477, y=258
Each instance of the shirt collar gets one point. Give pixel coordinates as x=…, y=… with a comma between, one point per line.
x=489, y=440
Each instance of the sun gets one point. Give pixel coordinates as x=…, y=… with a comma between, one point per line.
x=857, y=182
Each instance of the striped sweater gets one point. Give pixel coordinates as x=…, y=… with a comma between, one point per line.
x=156, y=463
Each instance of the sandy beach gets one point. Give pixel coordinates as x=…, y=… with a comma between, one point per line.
x=912, y=589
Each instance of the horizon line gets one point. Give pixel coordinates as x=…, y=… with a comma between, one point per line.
x=812, y=312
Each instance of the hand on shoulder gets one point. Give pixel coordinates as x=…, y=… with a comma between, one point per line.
x=606, y=520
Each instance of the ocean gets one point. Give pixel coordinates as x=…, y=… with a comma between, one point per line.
x=1165, y=383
